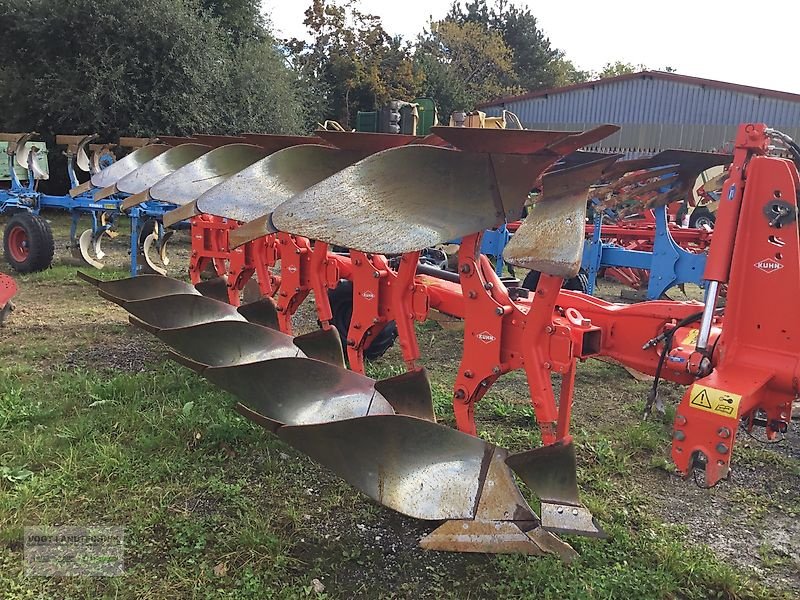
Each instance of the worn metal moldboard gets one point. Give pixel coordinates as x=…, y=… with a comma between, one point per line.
x=203, y=173
x=412, y=197
x=127, y=164
x=300, y=391
x=161, y=166
x=257, y=189
x=414, y=466
x=228, y=343
x=177, y=311
x=142, y=287
x=550, y=239
x=405, y=199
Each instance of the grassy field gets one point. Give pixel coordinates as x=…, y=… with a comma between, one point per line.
x=97, y=427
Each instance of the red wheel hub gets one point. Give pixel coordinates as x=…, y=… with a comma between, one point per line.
x=18, y=244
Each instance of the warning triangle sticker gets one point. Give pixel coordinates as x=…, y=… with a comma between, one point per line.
x=701, y=399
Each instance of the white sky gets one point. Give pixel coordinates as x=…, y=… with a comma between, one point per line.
x=725, y=40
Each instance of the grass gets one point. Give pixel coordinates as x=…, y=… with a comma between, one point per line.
x=197, y=487
x=214, y=507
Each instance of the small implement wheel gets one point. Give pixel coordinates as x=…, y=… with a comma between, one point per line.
x=701, y=217
x=579, y=283
x=341, y=300
x=28, y=243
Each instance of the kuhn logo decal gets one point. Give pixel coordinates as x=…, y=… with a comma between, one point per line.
x=367, y=295
x=768, y=265
x=291, y=269
x=486, y=337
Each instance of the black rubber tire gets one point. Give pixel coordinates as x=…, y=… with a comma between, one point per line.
x=341, y=300
x=40, y=243
x=579, y=283
x=701, y=213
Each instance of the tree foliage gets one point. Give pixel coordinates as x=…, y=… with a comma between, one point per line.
x=352, y=64
x=618, y=68
x=152, y=67
x=566, y=73
x=240, y=20
x=140, y=68
x=464, y=63
x=536, y=64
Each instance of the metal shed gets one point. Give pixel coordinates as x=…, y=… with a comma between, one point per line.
x=657, y=110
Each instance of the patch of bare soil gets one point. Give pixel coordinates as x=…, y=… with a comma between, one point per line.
x=381, y=555
x=750, y=521
x=132, y=353
x=764, y=545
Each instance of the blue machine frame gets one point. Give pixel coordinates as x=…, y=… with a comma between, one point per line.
x=669, y=264
x=104, y=214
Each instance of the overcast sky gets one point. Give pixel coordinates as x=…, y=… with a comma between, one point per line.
x=725, y=40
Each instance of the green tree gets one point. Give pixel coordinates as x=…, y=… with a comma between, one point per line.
x=565, y=72
x=464, y=63
x=241, y=20
x=618, y=68
x=535, y=63
x=352, y=63
x=138, y=68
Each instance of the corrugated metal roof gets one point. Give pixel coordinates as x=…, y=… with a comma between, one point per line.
x=656, y=111
x=659, y=75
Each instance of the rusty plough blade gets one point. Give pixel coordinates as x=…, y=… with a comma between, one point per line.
x=208, y=333
x=163, y=303
x=143, y=287
x=414, y=466
x=382, y=436
x=299, y=391
x=227, y=344
x=255, y=191
x=178, y=311
x=550, y=240
x=153, y=171
x=431, y=472
x=371, y=217
x=189, y=182
x=550, y=471
x=417, y=196
x=120, y=168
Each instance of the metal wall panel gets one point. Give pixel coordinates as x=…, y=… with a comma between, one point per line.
x=656, y=114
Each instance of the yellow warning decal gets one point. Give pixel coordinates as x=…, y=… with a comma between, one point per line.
x=715, y=401
x=691, y=339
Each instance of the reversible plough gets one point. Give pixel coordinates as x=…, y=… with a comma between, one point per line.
x=369, y=220
x=29, y=243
